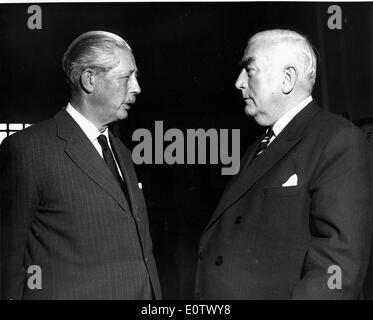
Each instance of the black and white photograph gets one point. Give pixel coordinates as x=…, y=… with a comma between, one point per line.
x=190, y=151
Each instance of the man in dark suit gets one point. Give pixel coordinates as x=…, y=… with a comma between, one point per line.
x=71, y=204
x=295, y=222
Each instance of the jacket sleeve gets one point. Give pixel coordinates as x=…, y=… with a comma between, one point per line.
x=340, y=220
x=17, y=209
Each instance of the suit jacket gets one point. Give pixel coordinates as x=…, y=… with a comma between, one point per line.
x=62, y=210
x=265, y=241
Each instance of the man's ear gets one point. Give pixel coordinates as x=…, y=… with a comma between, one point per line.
x=87, y=80
x=290, y=79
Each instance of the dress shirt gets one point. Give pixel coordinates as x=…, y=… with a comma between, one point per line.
x=281, y=123
x=91, y=131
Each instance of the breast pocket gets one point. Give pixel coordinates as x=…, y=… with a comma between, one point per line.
x=283, y=200
x=285, y=212
x=275, y=192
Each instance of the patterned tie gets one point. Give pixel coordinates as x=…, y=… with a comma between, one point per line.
x=110, y=162
x=265, y=142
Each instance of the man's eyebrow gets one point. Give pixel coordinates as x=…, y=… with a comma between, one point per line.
x=129, y=72
x=246, y=61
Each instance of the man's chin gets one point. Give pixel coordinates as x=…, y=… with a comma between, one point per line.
x=123, y=112
x=250, y=111
x=123, y=115
x=262, y=121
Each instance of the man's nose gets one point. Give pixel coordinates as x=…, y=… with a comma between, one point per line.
x=135, y=87
x=241, y=82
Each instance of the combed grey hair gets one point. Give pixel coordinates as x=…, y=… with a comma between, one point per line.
x=94, y=50
x=299, y=42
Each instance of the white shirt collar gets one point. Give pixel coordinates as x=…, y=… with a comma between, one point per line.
x=87, y=126
x=281, y=123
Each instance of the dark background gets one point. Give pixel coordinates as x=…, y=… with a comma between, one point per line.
x=188, y=55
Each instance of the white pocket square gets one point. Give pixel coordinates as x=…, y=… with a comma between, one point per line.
x=140, y=185
x=292, y=181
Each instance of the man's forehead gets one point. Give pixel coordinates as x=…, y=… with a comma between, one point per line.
x=250, y=57
x=257, y=52
x=126, y=54
x=126, y=60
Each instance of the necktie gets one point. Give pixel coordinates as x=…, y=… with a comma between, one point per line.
x=110, y=162
x=265, y=142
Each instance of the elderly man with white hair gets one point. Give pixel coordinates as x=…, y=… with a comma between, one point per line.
x=295, y=222
x=74, y=223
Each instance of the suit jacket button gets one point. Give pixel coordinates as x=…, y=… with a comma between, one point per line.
x=201, y=255
x=197, y=295
x=219, y=261
x=238, y=220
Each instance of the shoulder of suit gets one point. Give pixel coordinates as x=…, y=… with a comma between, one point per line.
x=333, y=124
x=36, y=134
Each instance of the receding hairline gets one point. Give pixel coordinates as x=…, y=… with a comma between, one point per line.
x=264, y=50
x=267, y=47
x=272, y=38
x=283, y=38
x=127, y=55
x=118, y=42
x=279, y=35
x=104, y=34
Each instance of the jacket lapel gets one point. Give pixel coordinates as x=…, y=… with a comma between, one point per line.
x=250, y=174
x=85, y=156
x=244, y=162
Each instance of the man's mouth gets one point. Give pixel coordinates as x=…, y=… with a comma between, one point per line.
x=128, y=104
x=131, y=100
